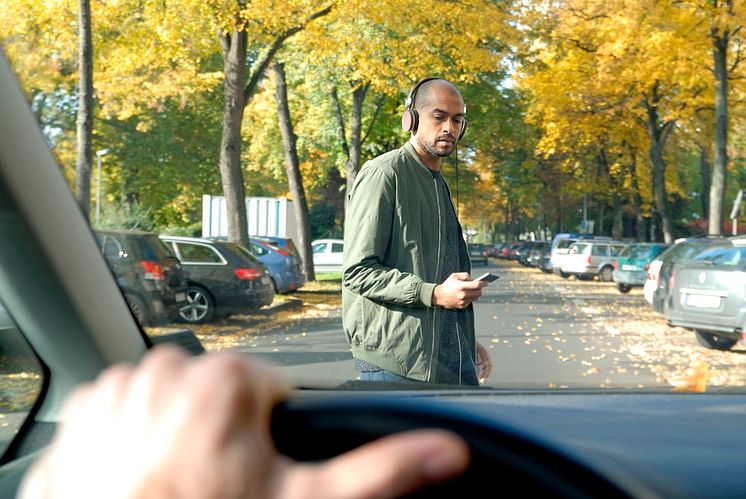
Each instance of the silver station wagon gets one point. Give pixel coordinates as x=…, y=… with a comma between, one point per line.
x=708, y=294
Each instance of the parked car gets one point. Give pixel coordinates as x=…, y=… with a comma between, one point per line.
x=509, y=250
x=284, y=268
x=528, y=253
x=224, y=278
x=559, y=246
x=477, y=254
x=327, y=255
x=148, y=273
x=631, y=267
x=707, y=295
x=536, y=254
x=683, y=251
x=284, y=243
x=651, y=279
x=586, y=259
x=493, y=250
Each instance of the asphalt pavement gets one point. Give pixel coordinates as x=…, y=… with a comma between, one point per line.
x=542, y=331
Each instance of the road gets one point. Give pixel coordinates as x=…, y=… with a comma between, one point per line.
x=542, y=331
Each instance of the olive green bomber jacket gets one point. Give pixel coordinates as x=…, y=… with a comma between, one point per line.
x=394, y=230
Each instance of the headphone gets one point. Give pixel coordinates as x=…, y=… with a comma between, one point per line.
x=410, y=119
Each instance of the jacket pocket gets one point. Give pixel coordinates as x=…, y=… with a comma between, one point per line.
x=372, y=320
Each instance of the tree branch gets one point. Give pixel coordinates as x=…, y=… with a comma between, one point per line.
x=340, y=121
x=379, y=102
x=258, y=74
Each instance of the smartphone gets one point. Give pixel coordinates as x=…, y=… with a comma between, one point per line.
x=487, y=276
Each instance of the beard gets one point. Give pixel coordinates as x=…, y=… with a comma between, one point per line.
x=435, y=148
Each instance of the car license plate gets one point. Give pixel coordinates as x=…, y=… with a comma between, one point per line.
x=629, y=267
x=180, y=296
x=703, y=301
x=265, y=280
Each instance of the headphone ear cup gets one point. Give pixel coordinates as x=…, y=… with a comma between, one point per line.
x=409, y=120
x=463, y=129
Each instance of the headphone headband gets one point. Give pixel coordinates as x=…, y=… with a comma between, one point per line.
x=410, y=118
x=409, y=103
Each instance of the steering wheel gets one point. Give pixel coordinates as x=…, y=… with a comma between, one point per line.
x=503, y=458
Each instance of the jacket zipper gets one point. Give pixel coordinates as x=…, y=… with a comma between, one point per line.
x=437, y=274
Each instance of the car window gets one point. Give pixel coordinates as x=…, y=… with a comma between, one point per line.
x=528, y=169
x=723, y=257
x=244, y=251
x=153, y=248
x=565, y=243
x=259, y=250
x=198, y=253
x=599, y=250
x=615, y=250
x=21, y=378
x=110, y=247
x=577, y=249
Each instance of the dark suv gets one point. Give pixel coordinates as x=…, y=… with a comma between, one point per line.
x=149, y=275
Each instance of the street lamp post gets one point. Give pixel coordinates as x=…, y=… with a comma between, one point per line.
x=99, y=154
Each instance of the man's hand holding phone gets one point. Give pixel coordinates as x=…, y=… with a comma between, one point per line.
x=488, y=277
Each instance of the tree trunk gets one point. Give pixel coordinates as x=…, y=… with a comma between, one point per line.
x=658, y=133
x=636, y=196
x=617, y=225
x=233, y=45
x=704, y=167
x=85, y=109
x=295, y=181
x=720, y=160
x=356, y=124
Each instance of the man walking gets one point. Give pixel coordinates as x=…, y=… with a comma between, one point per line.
x=407, y=294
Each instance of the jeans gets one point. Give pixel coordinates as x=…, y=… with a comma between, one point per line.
x=384, y=376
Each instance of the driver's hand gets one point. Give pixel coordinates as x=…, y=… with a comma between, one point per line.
x=198, y=427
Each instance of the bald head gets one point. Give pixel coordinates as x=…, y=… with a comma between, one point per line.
x=433, y=90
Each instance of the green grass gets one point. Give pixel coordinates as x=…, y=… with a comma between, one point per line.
x=329, y=276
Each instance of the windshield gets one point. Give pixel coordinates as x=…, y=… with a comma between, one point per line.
x=588, y=118
x=724, y=257
x=637, y=251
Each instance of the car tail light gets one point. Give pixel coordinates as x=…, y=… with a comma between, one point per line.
x=247, y=274
x=153, y=270
x=616, y=264
x=589, y=259
x=646, y=267
x=672, y=281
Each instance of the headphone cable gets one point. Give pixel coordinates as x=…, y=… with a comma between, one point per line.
x=457, y=198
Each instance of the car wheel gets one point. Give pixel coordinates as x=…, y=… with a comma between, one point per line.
x=564, y=275
x=714, y=341
x=623, y=288
x=138, y=308
x=606, y=274
x=199, y=306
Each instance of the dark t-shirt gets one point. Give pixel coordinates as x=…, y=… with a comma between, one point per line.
x=456, y=363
